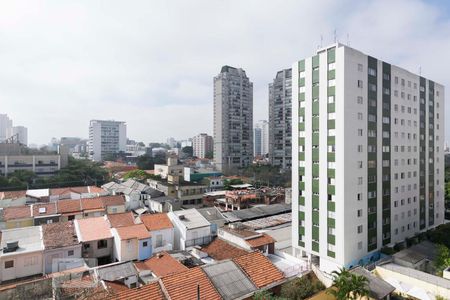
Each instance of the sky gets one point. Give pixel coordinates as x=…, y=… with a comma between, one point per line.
x=152, y=63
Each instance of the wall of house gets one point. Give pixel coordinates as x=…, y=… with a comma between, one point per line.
x=145, y=251
x=77, y=216
x=128, y=250
x=24, y=265
x=46, y=220
x=233, y=239
x=167, y=240
x=50, y=255
x=155, y=205
x=115, y=209
x=19, y=223
x=93, y=214
x=94, y=252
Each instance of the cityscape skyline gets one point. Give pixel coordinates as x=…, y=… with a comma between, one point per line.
x=181, y=88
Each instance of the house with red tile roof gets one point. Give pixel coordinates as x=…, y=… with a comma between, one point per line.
x=13, y=198
x=161, y=229
x=161, y=264
x=248, y=239
x=69, y=209
x=17, y=217
x=220, y=250
x=76, y=192
x=61, y=242
x=149, y=291
x=96, y=238
x=120, y=219
x=45, y=213
x=185, y=285
x=132, y=243
x=260, y=270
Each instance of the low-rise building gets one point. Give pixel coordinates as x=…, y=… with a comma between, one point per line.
x=237, y=234
x=214, y=216
x=22, y=252
x=135, y=193
x=171, y=168
x=96, y=238
x=62, y=250
x=16, y=217
x=45, y=213
x=161, y=264
x=161, y=230
x=132, y=243
x=121, y=219
x=122, y=273
x=191, y=229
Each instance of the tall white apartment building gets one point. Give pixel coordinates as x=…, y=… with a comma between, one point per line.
x=22, y=134
x=202, y=144
x=368, y=158
x=233, y=119
x=5, y=127
x=106, y=138
x=261, y=138
x=280, y=120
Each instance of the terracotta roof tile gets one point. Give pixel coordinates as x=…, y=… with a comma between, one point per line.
x=16, y=212
x=137, y=231
x=77, y=190
x=68, y=206
x=12, y=195
x=44, y=209
x=156, y=221
x=162, y=264
x=113, y=200
x=183, y=286
x=92, y=203
x=259, y=269
x=260, y=241
x=93, y=229
x=121, y=219
x=220, y=250
x=58, y=235
x=151, y=291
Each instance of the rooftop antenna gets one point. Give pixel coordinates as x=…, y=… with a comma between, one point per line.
x=348, y=40
x=321, y=41
x=335, y=36
x=420, y=70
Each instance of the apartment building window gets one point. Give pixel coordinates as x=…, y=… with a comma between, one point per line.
x=360, y=67
x=360, y=229
x=372, y=118
x=359, y=213
x=70, y=253
x=386, y=91
x=360, y=83
x=372, y=71
x=360, y=148
x=371, y=133
x=359, y=164
x=302, y=74
x=360, y=132
x=359, y=100
x=331, y=66
x=331, y=82
x=359, y=245
x=396, y=80
x=359, y=196
x=360, y=116
x=331, y=99
x=372, y=87
x=102, y=244
x=9, y=264
x=360, y=180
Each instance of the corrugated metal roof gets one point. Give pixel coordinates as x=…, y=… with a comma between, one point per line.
x=117, y=271
x=229, y=280
x=257, y=212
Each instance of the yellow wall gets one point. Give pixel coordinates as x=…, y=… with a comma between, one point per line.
x=19, y=223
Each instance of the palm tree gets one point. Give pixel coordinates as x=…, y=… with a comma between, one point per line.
x=348, y=285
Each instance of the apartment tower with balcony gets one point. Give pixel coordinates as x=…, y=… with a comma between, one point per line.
x=280, y=120
x=106, y=138
x=368, y=156
x=233, y=119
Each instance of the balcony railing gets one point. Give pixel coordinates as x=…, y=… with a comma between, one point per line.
x=199, y=241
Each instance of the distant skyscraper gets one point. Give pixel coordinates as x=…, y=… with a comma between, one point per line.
x=280, y=120
x=22, y=134
x=202, y=144
x=368, y=160
x=5, y=127
x=233, y=119
x=261, y=138
x=106, y=138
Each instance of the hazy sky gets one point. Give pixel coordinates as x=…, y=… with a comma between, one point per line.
x=152, y=63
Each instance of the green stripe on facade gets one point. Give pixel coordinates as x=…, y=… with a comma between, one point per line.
x=372, y=154
x=386, y=155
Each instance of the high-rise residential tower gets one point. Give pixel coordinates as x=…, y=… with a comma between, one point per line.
x=233, y=119
x=202, y=145
x=261, y=138
x=22, y=134
x=368, y=159
x=106, y=138
x=280, y=120
x=5, y=127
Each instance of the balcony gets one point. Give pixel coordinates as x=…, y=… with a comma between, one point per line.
x=198, y=241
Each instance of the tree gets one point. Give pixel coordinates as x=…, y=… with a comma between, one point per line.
x=266, y=295
x=139, y=175
x=145, y=162
x=302, y=288
x=227, y=183
x=348, y=285
x=442, y=260
x=188, y=151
